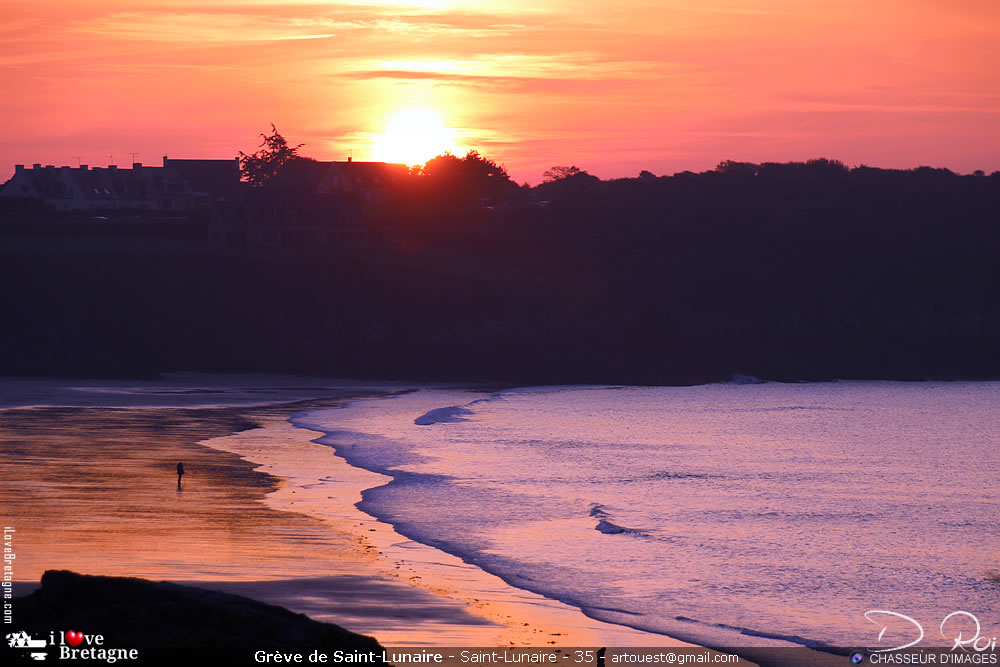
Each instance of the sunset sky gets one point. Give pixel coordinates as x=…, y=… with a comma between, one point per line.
x=612, y=87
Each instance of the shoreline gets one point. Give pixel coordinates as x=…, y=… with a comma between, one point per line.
x=448, y=575
x=509, y=616
x=95, y=493
x=261, y=499
x=267, y=512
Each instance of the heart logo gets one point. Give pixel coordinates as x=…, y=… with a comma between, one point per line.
x=74, y=638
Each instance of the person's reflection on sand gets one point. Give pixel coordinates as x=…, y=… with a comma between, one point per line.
x=180, y=473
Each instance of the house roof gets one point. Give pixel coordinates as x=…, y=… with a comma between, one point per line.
x=99, y=184
x=46, y=183
x=299, y=174
x=372, y=173
x=304, y=174
x=191, y=177
x=109, y=184
x=210, y=176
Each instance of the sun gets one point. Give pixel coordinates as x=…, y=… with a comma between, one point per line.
x=414, y=136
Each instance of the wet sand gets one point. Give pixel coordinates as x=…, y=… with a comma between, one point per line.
x=93, y=490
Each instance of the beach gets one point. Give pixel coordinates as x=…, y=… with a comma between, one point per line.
x=745, y=517
x=263, y=512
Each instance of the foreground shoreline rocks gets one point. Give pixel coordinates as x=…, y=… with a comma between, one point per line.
x=132, y=612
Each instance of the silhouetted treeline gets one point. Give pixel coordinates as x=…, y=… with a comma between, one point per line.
x=784, y=271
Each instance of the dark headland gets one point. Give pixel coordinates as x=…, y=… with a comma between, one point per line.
x=131, y=612
x=804, y=271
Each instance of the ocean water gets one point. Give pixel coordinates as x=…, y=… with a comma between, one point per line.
x=729, y=515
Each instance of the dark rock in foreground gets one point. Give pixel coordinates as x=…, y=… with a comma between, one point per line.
x=139, y=613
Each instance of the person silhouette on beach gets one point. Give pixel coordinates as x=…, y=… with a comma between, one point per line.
x=180, y=473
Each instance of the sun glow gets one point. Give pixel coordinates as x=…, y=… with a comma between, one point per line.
x=414, y=136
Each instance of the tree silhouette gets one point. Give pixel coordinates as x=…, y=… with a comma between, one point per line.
x=274, y=153
x=473, y=165
x=559, y=173
x=466, y=178
x=734, y=168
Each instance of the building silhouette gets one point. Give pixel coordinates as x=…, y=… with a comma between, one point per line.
x=178, y=186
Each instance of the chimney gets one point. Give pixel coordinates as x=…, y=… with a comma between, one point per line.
x=165, y=161
x=349, y=158
x=83, y=167
x=112, y=166
x=18, y=168
x=36, y=166
x=137, y=165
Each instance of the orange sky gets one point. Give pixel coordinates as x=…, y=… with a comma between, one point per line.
x=613, y=87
